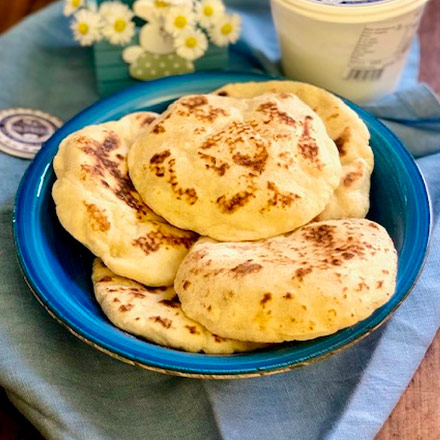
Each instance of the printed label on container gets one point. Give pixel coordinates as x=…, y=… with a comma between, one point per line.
x=380, y=46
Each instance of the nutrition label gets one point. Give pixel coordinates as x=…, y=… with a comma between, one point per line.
x=380, y=46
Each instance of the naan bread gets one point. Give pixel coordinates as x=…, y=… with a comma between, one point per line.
x=135, y=124
x=97, y=204
x=235, y=169
x=156, y=315
x=352, y=198
x=311, y=282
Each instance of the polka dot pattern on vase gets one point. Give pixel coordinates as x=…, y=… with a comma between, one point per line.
x=150, y=66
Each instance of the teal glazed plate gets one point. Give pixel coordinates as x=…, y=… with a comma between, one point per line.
x=58, y=268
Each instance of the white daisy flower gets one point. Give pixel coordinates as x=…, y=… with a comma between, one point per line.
x=179, y=19
x=111, y=8
x=71, y=6
x=226, y=30
x=118, y=27
x=91, y=7
x=191, y=44
x=86, y=27
x=156, y=8
x=209, y=12
x=153, y=9
x=188, y=3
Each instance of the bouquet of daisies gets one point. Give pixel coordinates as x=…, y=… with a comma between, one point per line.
x=188, y=26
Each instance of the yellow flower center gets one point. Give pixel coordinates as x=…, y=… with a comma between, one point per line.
x=120, y=25
x=191, y=42
x=180, y=21
x=160, y=4
x=208, y=11
x=83, y=28
x=226, y=29
x=76, y=3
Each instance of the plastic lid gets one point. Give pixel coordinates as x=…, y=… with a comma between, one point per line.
x=351, y=11
x=24, y=130
x=350, y=2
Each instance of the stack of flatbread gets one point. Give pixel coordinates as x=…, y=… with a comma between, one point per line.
x=233, y=220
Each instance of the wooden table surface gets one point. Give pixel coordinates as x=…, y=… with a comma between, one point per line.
x=417, y=415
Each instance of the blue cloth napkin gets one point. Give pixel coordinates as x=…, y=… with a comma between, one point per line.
x=69, y=391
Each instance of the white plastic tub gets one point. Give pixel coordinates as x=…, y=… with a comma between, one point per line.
x=356, y=48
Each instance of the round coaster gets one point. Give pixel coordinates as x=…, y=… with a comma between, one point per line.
x=24, y=130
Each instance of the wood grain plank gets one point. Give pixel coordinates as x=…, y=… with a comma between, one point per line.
x=12, y=11
x=417, y=415
x=430, y=45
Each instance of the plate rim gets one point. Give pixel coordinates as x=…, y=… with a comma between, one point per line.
x=247, y=371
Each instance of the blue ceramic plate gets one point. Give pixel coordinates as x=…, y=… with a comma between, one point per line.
x=58, y=269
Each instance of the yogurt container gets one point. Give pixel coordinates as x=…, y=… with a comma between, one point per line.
x=356, y=48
